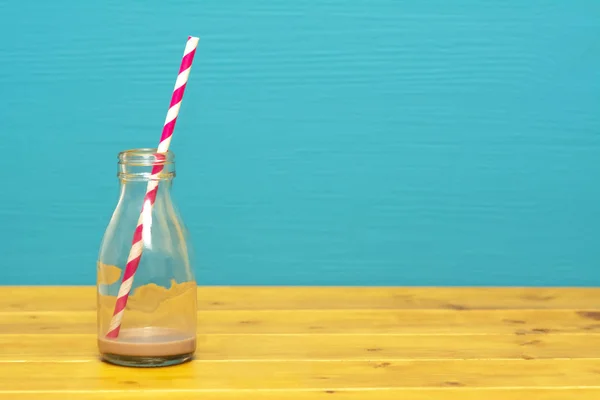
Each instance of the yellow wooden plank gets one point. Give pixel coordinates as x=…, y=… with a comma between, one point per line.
x=303, y=375
x=441, y=322
x=74, y=347
x=355, y=343
x=58, y=298
x=368, y=394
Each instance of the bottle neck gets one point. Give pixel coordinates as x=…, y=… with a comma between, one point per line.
x=139, y=188
x=139, y=170
x=145, y=165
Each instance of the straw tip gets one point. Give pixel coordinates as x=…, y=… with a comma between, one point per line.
x=193, y=38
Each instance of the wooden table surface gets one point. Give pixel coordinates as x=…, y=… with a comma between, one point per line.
x=320, y=343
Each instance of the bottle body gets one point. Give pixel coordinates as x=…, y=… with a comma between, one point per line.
x=154, y=307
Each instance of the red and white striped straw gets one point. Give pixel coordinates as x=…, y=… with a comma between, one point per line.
x=135, y=253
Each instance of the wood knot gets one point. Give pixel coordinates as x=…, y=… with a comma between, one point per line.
x=375, y=349
x=531, y=343
x=591, y=327
x=249, y=322
x=595, y=315
x=537, y=297
x=453, y=384
x=457, y=307
x=535, y=331
x=513, y=321
x=381, y=365
x=541, y=330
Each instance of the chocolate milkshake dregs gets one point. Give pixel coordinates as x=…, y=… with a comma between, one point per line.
x=167, y=339
x=160, y=328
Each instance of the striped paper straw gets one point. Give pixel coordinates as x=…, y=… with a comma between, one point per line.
x=135, y=254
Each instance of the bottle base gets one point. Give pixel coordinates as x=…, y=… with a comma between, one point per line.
x=148, y=347
x=146, y=362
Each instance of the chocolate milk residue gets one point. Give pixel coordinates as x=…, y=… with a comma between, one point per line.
x=159, y=321
x=149, y=342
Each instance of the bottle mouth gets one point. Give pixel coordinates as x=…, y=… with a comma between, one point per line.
x=138, y=164
x=145, y=157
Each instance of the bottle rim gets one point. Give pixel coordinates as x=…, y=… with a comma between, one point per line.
x=138, y=165
x=145, y=157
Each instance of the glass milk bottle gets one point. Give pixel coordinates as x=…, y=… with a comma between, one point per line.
x=146, y=315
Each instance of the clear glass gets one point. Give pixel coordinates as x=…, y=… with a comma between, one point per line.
x=158, y=327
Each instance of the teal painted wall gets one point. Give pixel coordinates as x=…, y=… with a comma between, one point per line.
x=421, y=142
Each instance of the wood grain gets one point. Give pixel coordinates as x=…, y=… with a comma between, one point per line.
x=439, y=322
x=304, y=375
x=318, y=347
x=368, y=343
x=15, y=298
x=458, y=393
